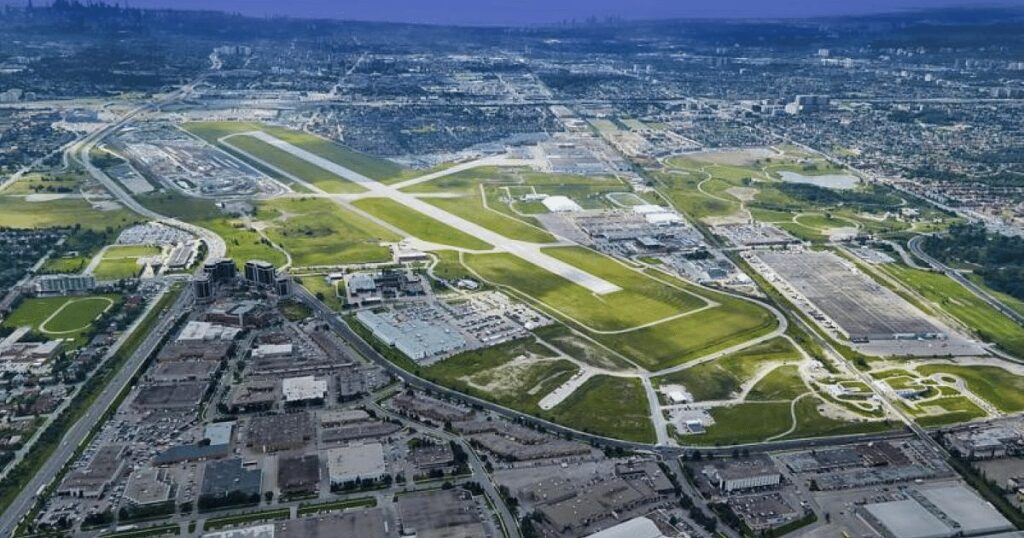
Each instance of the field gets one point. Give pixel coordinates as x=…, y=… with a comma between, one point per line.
x=987, y=322
x=610, y=406
x=293, y=165
x=994, y=384
x=642, y=299
x=17, y=212
x=472, y=209
x=368, y=165
x=721, y=378
x=500, y=375
x=419, y=225
x=318, y=286
x=782, y=383
x=61, y=317
x=319, y=232
x=122, y=261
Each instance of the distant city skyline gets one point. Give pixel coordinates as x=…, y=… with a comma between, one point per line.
x=526, y=12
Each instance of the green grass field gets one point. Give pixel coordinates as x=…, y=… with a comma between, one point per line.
x=292, y=165
x=72, y=264
x=641, y=300
x=419, y=225
x=610, y=406
x=61, y=317
x=744, y=423
x=472, y=209
x=581, y=349
x=122, y=261
x=368, y=165
x=811, y=423
x=318, y=286
x=782, y=383
x=987, y=322
x=319, y=232
x=490, y=374
x=721, y=378
x=16, y=212
x=995, y=385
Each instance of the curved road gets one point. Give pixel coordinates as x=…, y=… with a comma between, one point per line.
x=915, y=248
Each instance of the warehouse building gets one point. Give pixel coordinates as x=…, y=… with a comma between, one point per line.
x=347, y=463
x=942, y=512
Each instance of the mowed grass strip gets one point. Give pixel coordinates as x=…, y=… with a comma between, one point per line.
x=722, y=378
x=782, y=383
x=744, y=423
x=17, y=212
x=642, y=299
x=294, y=165
x=997, y=386
x=472, y=209
x=367, y=165
x=121, y=261
x=987, y=322
x=609, y=406
x=320, y=232
x=419, y=225
x=811, y=423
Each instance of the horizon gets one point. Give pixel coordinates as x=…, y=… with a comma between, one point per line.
x=539, y=13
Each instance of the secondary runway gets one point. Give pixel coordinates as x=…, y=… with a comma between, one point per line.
x=530, y=252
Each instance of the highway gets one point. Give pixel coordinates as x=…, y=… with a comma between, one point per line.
x=915, y=247
x=78, y=432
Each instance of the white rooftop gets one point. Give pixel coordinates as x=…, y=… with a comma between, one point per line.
x=638, y=527
x=297, y=389
x=908, y=519
x=270, y=350
x=560, y=204
x=356, y=461
x=196, y=331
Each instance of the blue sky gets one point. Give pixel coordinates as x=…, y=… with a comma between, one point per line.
x=515, y=12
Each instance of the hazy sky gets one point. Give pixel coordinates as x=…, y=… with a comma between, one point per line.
x=545, y=11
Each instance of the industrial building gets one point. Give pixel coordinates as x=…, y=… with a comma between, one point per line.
x=744, y=474
x=415, y=338
x=365, y=462
x=942, y=512
x=225, y=478
x=298, y=390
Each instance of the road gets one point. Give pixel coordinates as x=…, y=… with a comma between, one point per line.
x=915, y=247
x=78, y=432
x=80, y=153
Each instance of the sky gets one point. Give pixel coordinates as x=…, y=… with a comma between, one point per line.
x=528, y=12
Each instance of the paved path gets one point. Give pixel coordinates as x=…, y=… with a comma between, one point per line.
x=530, y=252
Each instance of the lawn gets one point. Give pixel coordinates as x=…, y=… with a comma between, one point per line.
x=995, y=385
x=368, y=165
x=121, y=261
x=472, y=209
x=581, y=349
x=320, y=232
x=293, y=165
x=721, y=378
x=419, y=225
x=641, y=300
x=811, y=423
x=16, y=212
x=987, y=322
x=253, y=517
x=71, y=316
x=71, y=264
x=610, y=406
x=242, y=242
x=358, y=502
x=744, y=423
x=782, y=383
x=318, y=286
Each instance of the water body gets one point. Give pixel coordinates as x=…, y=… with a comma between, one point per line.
x=830, y=181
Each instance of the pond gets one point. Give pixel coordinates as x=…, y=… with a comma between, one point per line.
x=830, y=181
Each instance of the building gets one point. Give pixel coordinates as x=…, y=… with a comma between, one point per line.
x=220, y=270
x=942, y=512
x=283, y=285
x=203, y=331
x=64, y=283
x=638, y=527
x=743, y=474
x=92, y=481
x=560, y=204
x=202, y=287
x=365, y=462
x=260, y=272
x=417, y=339
x=147, y=486
x=298, y=475
x=227, y=478
x=306, y=389
x=21, y=357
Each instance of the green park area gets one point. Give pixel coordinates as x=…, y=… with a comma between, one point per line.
x=315, y=232
x=722, y=378
x=68, y=318
x=610, y=406
x=122, y=261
